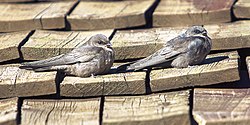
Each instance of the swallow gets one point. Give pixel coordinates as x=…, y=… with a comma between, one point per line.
x=94, y=57
x=187, y=49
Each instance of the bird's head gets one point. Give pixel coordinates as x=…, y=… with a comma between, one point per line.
x=196, y=30
x=99, y=40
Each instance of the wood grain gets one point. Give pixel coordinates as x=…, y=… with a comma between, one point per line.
x=217, y=68
x=8, y=111
x=241, y=9
x=9, y=45
x=93, y=15
x=27, y=1
x=191, y=12
x=157, y=109
x=221, y=106
x=19, y=82
x=130, y=44
x=44, y=44
x=15, y=1
x=112, y=84
x=49, y=15
x=58, y=112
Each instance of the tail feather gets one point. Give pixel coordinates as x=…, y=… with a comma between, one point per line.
x=41, y=63
x=45, y=68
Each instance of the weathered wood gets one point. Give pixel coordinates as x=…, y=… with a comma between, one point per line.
x=8, y=111
x=19, y=82
x=129, y=44
x=217, y=68
x=9, y=45
x=44, y=44
x=190, y=12
x=221, y=106
x=156, y=109
x=49, y=15
x=58, y=112
x=112, y=84
x=241, y=9
x=89, y=15
x=15, y=1
x=20, y=1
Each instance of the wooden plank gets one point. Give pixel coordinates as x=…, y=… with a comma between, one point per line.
x=241, y=9
x=49, y=15
x=221, y=106
x=27, y=1
x=45, y=44
x=93, y=15
x=8, y=111
x=156, y=109
x=9, y=45
x=217, y=68
x=112, y=84
x=191, y=12
x=58, y=112
x=129, y=44
x=15, y=1
x=19, y=82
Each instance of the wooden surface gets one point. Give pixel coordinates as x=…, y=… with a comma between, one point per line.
x=16, y=17
x=129, y=44
x=93, y=15
x=229, y=35
x=15, y=1
x=20, y=82
x=217, y=68
x=8, y=111
x=190, y=12
x=113, y=84
x=221, y=106
x=61, y=112
x=44, y=44
x=9, y=45
x=242, y=9
x=156, y=109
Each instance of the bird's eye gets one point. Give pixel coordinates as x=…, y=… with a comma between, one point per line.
x=197, y=31
x=99, y=42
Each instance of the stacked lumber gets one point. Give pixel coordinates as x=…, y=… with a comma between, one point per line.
x=221, y=106
x=8, y=111
x=191, y=12
x=241, y=9
x=11, y=42
x=161, y=108
x=57, y=112
x=19, y=82
x=49, y=15
x=95, y=15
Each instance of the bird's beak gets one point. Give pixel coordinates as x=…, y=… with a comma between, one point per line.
x=204, y=33
x=109, y=45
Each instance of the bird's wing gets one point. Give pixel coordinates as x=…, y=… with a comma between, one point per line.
x=170, y=51
x=84, y=54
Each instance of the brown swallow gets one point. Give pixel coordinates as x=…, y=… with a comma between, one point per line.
x=187, y=49
x=94, y=57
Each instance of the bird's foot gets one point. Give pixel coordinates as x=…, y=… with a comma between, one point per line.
x=193, y=66
x=93, y=76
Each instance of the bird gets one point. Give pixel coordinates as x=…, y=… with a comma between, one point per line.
x=187, y=49
x=94, y=57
